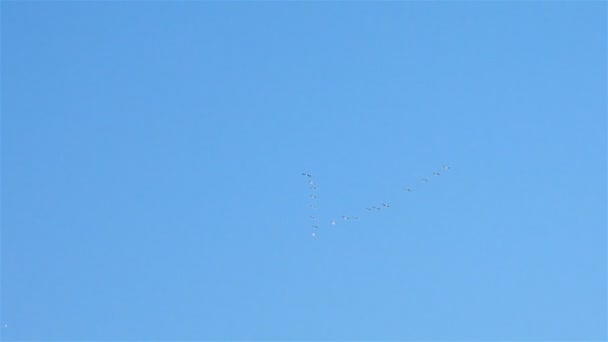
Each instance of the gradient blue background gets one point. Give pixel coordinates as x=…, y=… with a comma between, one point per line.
x=152, y=151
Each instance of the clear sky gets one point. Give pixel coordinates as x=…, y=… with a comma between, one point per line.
x=152, y=155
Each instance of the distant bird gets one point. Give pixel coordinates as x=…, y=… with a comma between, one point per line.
x=386, y=205
x=345, y=218
x=424, y=180
x=355, y=218
x=436, y=173
x=315, y=226
x=313, y=217
x=307, y=174
x=313, y=206
x=369, y=209
x=376, y=208
x=313, y=196
x=314, y=235
x=408, y=189
x=333, y=223
x=445, y=167
x=313, y=187
x=311, y=182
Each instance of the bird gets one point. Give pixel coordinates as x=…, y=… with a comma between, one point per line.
x=306, y=174
x=376, y=208
x=314, y=235
x=345, y=218
x=424, y=180
x=436, y=173
x=313, y=196
x=313, y=217
x=313, y=206
x=313, y=187
x=445, y=167
x=333, y=223
x=408, y=189
x=385, y=205
x=369, y=209
x=355, y=218
x=315, y=226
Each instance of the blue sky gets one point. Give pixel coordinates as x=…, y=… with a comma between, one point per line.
x=152, y=155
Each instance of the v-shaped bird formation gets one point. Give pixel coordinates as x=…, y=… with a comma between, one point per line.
x=316, y=223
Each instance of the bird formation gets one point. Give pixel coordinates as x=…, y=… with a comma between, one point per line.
x=313, y=202
x=383, y=206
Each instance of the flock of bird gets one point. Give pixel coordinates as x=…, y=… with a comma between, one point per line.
x=313, y=202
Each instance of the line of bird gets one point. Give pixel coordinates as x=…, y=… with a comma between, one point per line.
x=313, y=198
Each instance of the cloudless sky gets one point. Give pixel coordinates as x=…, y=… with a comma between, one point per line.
x=152, y=155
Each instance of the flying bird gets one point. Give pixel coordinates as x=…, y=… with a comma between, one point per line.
x=424, y=180
x=333, y=223
x=355, y=218
x=345, y=218
x=313, y=196
x=385, y=205
x=369, y=209
x=436, y=173
x=314, y=235
x=306, y=174
x=408, y=189
x=445, y=167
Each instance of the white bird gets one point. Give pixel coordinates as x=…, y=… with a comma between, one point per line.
x=314, y=235
x=345, y=218
x=313, y=206
x=313, y=187
x=333, y=223
x=408, y=189
x=436, y=173
x=313, y=196
x=445, y=167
